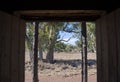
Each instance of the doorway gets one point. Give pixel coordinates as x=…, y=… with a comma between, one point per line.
x=67, y=58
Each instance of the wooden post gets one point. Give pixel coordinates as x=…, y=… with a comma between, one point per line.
x=35, y=57
x=84, y=52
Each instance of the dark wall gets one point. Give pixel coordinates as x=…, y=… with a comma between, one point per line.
x=108, y=47
x=12, y=47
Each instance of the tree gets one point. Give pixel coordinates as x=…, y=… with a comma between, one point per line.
x=49, y=35
x=30, y=38
x=78, y=45
x=60, y=47
x=42, y=40
x=91, y=38
x=69, y=48
x=91, y=44
x=53, y=31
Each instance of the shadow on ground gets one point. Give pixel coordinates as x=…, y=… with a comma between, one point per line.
x=74, y=63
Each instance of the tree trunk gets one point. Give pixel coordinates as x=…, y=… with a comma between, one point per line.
x=31, y=55
x=50, y=56
x=51, y=45
x=40, y=56
x=50, y=53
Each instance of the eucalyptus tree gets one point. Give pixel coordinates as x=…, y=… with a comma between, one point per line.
x=42, y=39
x=30, y=38
x=91, y=44
x=49, y=33
x=91, y=38
x=60, y=47
x=52, y=32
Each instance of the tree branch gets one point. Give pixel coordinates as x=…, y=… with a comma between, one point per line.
x=64, y=40
x=70, y=31
x=63, y=36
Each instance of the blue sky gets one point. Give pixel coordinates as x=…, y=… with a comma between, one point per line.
x=66, y=36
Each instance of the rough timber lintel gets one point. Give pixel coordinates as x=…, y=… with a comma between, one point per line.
x=62, y=15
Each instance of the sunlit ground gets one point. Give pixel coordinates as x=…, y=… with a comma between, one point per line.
x=67, y=66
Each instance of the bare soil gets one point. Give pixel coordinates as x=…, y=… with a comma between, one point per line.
x=67, y=67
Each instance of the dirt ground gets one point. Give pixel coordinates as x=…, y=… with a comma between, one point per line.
x=75, y=78
x=67, y=67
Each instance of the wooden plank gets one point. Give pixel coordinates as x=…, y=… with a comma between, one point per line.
x=60, y=15
x=12, y=48
x=84, y=52
x=35, y=60
x=0, y=42
x=98, y=46
x=60, y=12
x=5, y=47
x=117, y=19
x=18, y=55
x=104, y=50
x=112, y=47
x=22, y=51
x=15, y=50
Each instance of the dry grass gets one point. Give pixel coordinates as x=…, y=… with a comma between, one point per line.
x=66, y=64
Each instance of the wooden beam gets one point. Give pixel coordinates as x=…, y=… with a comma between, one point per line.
x=117, y=17
x=61, y=15
x=22, y=32
x=84, y=52
x=35, y=59
x=99, y=49
x=60, y=12
x=60, y=18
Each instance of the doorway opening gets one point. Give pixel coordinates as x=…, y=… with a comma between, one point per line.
x=59, y=51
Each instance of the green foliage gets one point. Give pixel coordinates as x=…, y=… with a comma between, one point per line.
x=60, y=47
x=69, y=48
x=91, y=44
x=91, y=38
x=78, y=45
x=43, y=37
x=29, y=35
x=49, y=34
